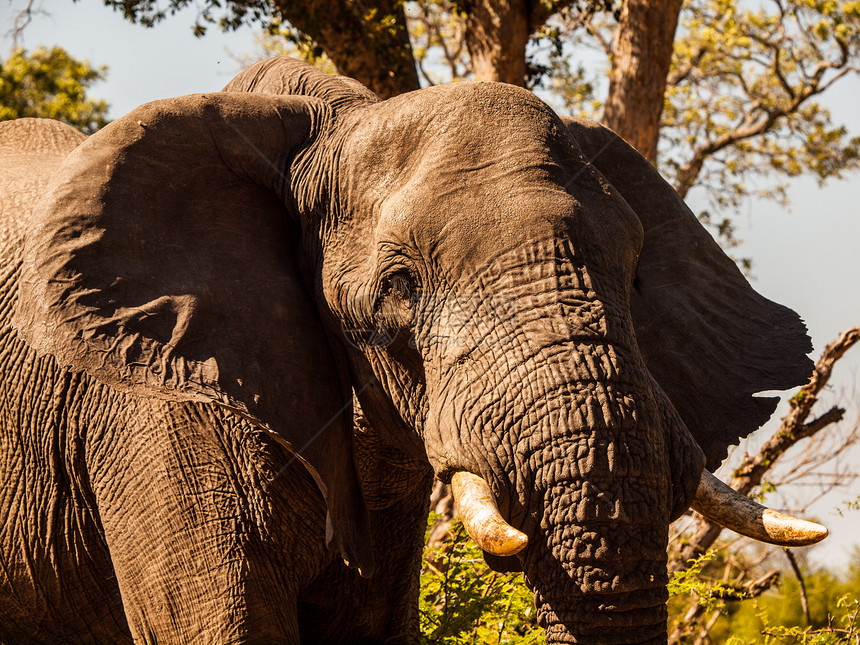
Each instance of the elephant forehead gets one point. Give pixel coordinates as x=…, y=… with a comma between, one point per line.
x=473, y=225
x=461, y=106
x=453, y=129
x=474, y=218
x=487, y=148
x=500, y=199
x=469, y=171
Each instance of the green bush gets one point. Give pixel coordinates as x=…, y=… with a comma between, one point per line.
x=464, y=602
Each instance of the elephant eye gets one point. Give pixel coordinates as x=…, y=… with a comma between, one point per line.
x=397, y=298
x=400, y=286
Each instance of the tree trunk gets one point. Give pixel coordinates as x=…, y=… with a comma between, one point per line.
x=367, y=43
x=369, y=40
x=496, y=35
x=640, y=64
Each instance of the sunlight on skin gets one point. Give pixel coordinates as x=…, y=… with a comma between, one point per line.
x=805, y=258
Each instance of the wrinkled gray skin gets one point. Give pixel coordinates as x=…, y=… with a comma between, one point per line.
x=126, y=517
x=506, y=293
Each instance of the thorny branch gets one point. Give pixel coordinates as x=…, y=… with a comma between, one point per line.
x=726, y=591
x=750, y=475
x=794, y=428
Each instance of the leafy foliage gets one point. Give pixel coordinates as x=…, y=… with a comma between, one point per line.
x=226, y=15
x=841, y=628
x=740, y=95
x=765, y=611
x=463, y=602
x=49, y=83
x=437, y=29
x=698, y=579
x=740, y=116
x=777, y=617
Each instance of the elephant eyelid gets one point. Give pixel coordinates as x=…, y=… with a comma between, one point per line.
x=397, y=294
x=399, y=283
x=398, y=277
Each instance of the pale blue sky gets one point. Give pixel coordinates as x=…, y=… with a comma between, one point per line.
x=806, y=258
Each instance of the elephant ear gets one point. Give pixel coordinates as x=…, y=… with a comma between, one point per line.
x=708, y=338
x=165, y=263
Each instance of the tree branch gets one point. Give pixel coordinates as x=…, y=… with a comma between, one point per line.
x=761, y=118
x=804, y=599
x=22, y=19
x=793, y=428
x=726, y=591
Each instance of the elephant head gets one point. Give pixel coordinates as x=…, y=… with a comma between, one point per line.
x=519, y=300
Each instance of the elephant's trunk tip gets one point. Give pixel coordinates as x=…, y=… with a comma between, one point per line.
x=477, y=508
x=724, y=505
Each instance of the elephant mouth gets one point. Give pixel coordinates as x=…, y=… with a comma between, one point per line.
x=714, y=500
x=626, y=618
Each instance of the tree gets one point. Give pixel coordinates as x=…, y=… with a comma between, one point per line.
x=739, y=115
x=50, y=83
x=369, y=40
x=640, y=62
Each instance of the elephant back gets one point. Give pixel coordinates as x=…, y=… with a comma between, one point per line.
x=31, y=150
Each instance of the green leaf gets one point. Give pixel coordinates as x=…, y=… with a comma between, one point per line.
x=49, y=83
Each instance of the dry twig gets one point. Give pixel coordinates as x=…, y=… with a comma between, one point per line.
x=794, y=428
x=804, y=599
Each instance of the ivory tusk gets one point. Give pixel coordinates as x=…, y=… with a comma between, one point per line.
x=724, y=505
x=477, y=508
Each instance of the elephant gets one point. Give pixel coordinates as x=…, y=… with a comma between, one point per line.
x=245, y=331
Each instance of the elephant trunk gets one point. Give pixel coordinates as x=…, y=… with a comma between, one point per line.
x=599, y=565
x=593, y=490
x=604, y=470
x=600, y=589
x=599, y=574
x=586, y=456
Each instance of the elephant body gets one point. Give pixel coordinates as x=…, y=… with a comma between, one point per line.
x=130, y=518
x=244, y=330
